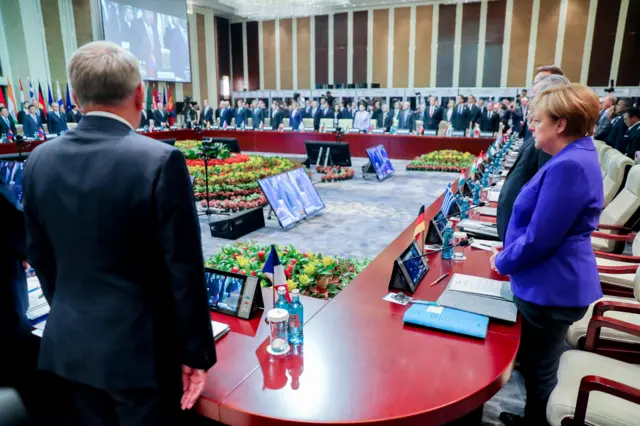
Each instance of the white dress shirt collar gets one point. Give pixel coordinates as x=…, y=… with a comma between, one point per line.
x=110, y=115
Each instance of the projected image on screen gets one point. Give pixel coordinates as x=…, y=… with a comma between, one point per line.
x=415, y=267
x=380, y=161
x=308, y=194
x=223, y=291
x=284, y=199
x=155, y=32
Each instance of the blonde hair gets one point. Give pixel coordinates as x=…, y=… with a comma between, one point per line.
x=576, y=103
x=103, y=73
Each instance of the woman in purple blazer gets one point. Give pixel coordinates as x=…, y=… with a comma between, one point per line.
x=547, y=248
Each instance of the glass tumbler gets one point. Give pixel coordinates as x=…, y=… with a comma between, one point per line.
x=279, y=331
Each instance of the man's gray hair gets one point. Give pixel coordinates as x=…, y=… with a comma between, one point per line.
x=546, y=82
x=103, y=73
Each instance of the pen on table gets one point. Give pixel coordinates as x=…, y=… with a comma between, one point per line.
x=439, y=279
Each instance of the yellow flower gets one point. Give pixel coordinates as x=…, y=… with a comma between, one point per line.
x=291, y=284
x=243, y=262
x=326, y=261
x=309, y=268
x=304, y=279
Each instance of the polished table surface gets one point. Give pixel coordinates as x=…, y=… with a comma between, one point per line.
x=359, y=362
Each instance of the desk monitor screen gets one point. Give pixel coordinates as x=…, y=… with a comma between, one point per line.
x=381, y=162
x=416, y=268
x=224, y=290
x=284, y=199
x=339, y=154
x=11, y=175
x=311, y=200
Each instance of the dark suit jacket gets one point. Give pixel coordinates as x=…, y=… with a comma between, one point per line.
x=30, y=127
x=160, y=117
x=378, y=116
x=257, y=117
x=388, y=121
x=276, y=119
x=4, y=129
x=207, y=114
x=225, y=116
x=328, y=113
x=432, y=122
x=516, y=119
x=474, y=113
x=616, y=135
x=296, y=119
x=241, y=116
x=529, y=161
x=406, y=120
x=489, y=122
x=316, y=118
x=603, y=126
x=145, y=52
x=144, y=120
x=56, y=123
x=460, y=121
x=179, y=48
x=632, y=141
x=21, y=115
x=126, y=287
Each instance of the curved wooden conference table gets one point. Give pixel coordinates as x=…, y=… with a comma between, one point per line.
x=359, y=362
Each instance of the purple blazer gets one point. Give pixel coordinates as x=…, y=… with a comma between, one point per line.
x=547, y=248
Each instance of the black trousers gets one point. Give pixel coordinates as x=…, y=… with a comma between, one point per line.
x=141, y=407
x=542, y=343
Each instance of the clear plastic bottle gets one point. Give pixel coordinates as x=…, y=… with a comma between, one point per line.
x=447, y=242
x=296, y=319
x=282, y=302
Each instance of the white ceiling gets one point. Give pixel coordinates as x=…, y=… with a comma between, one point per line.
x=227, y=12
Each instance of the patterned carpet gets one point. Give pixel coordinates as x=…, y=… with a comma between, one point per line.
x=362, y=217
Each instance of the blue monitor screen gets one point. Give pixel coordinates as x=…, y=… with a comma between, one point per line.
x=309, y=196
x=415, y=267
x=380, y=161
x=11, y=175
x=223, y=291
x=284, y=199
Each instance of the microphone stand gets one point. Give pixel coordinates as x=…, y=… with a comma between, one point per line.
x=462, y=243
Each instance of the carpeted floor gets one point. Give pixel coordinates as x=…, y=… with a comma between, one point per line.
x=362, y=217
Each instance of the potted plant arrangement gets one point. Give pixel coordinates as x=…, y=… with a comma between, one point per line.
x=447, y=160
x=335, y=173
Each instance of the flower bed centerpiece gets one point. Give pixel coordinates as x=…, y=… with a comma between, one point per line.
x=335, y=173
x=447, y=160
x=233, y=178
x=312, y=273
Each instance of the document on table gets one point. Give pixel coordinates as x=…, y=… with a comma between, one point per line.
x=481, y=286
x=38, y=306
x=219, y=329
x=494, y=196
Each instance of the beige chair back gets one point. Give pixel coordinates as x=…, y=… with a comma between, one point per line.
x=20, y=129
x=614, y=175
x=285, y=122
x=418, y=124
x=249, y=122
x=442, y=126
x=621, y=208
x=636, y=284
x=603, y=157
x=44, y=127
x=267, y=122
x=345, y=122
x=72, y=125
x=307, y=122
x=599, y=145
x=326, y=122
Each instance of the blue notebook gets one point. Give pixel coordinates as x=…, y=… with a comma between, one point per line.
x=448, y=319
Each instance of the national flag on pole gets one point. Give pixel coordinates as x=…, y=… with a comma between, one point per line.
x=281, y=128
x=50, y=94
x=41, y=100
x=224, y=125
x=421, y=130
x=32, y=96
x=418, y=232
x=448, y=130
x=158, y=97
x=40, y=133
x=2, y=100
x=476, y=132
x=170, y=107
x=68, y=98
x=11, y=100
x=149, y=99
x=448, y=200
x=154, y=98
x=275, y=273
x=462, y=180
x=262, y=125
x=59, y=94
x=164, y=96
x=370, y=129
x=21, y=93
x=322, y=129
x=474, y=168
x=9, y=135
x=480, y=157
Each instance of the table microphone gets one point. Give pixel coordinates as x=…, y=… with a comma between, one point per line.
x=463, y=243
x=480, y=204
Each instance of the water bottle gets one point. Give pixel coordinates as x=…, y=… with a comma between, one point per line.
x=3, y=138
x=485, y=179
x=447, y=242
x=296, y=319
x=282, y=302
x=464, y=209
x=476, y=193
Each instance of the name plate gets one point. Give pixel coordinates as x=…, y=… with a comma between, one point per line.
x=214, y=127
x=140, y=130
x=231, y=127
x=378, y=131
x=430, y=132
x=354, y=130
x=173, y=127
x=486, y=134
x=329, y=129
x=458, y=133
x=308, y=129
x=240, y=129
x=288, y=129
x=404, y=131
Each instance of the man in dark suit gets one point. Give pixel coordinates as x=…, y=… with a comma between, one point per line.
x=460, y=118
x=315, y=113
x=517, y=117
x=275, y=116
x=127, y=27
x=257, y=115
x=160, y=118
x=296, y=117
x=388, y=117
x=207, y=111
x=307, y=109
x=23, y=112
x=148, y=43
x=489, y=119
x=219, y=110
x=632, y=137
x=618, y=127
x=241, y=114
x=176, y=40
x=6, y=122
x=129, y=326
x=31, y=122
x=56, y=122
x=603, y=125
x=144, y=118
x=406, y=120
x=432, y=116
x=474, y=110
x=226, y=114
x=348, y=112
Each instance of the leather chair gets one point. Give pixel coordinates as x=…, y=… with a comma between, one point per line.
x=604, y=157
x=374, y=123
x=307, y=123
x=12, y=410
x=20, y=129
x=418, y=124
x=617, y=270
x=44, y=127
x=592, y=388
x=618, y=214
x=442, y=127
x=285, y=122
x=617, y=169
x=249, y=123
x=72, y=125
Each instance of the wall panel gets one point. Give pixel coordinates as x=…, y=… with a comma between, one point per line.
x=574, y=35
x=604, y=37
x=237, y=57
x=322, y=49
x=547, y=33
x=253, y=55
x=401, y=25
x=82, y=21
x=53, y=39
x=340, y=48
x=494, y=40
x=202, y=59
x=424, y=25
x=519, y=44
x=380, y=46
x=286, y=54
x=223, y=62
x=629, y=70
x=469, y=48
x=446, y=40
x=304, y=61
x=360, y=41
x=269, y=47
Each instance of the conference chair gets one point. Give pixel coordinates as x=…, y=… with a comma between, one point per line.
x=72, y=125
x=345, y=123
x=267, y=123
x=285, y=122
x=592, y=387
x=599, y=145
x=442, y=127
x=616, y=172
x=374, y=123
x=44, y=127
x=307, y=123
x=617, y=270
x=249, y=123
x=418, y=124
x=233, y=122
x=326, y=122
x=603, y=157
x=20, y=129
x=619, y=213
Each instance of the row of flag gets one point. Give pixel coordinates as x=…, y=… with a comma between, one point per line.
x=155, y=96
x=37, y=97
